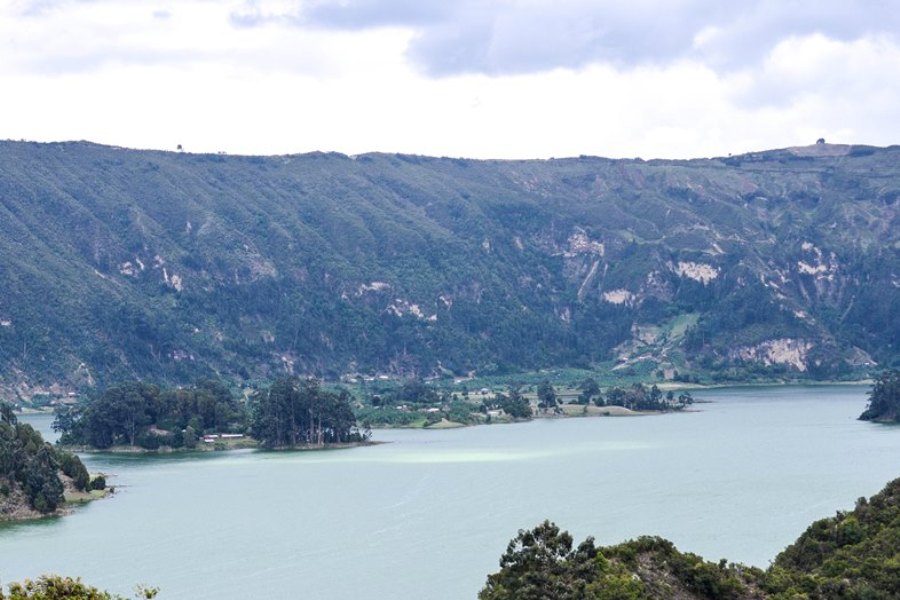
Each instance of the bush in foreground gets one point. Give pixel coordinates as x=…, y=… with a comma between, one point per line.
x=852, y=556
x=54, y=587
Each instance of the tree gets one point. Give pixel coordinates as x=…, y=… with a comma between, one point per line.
x=540, y=564
x=31, y=465
x=72, y=466
x=616, y=396
x=7, y=415
x=546, y=396
x=590, y=391
x=117, y=416
x=189, y=438
x=637, y=396
x=884, y=398
x=143, y=414
x=416, y=391
x=41, y=482
x=64, y=419
x=685, y=399
x=300, y=413
x=655, y=397
x=514, y=403
x=222, y=411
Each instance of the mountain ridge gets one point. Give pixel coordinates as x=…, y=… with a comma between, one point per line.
x=130, y=263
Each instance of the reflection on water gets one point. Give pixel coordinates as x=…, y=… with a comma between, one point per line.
x=740, y=479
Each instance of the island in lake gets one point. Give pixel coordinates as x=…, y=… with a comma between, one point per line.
x=136, y=416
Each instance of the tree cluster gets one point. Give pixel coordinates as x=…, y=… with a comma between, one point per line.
x=884, y=398
x=145, y=415
x=31, y=467
x=640, y=397
x=290, y=413
x=411, y=392
x=547, y=398
x=512, y=403
x=294, y=413
x=589, y=392
x=543, y=563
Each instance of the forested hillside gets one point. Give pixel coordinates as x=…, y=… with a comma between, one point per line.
x=118, y=263
x=34, y=475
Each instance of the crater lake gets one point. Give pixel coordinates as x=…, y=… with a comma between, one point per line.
x=428, y=514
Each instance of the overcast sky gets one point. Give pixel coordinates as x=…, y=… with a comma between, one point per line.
x=474, y=78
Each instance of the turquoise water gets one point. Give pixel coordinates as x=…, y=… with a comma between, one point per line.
x=428, y=515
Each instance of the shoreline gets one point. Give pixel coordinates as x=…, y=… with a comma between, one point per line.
x=242, y=444
x=73, y=501
x=662, y=385
x=575, y=411
x=754, y=384
x=569, y=411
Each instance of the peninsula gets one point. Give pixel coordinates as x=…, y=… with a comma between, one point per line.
x=36, y=478
x=143, y=417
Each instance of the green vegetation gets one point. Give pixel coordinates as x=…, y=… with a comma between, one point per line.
x=884, y=399
x=542, y=563
x=409, y=392
x=590, y=392
x=33, y=474
x=123, y=264
x=290, y=413
x=419, y=404
x=513, y=403
x=294, y=413
x=547, y=399
x=640, y=397
x=147, y=416
x=54, y=587
x=852, y=556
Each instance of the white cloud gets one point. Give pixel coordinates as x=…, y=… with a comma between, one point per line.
x=521, y=36
x=267, y=77
x=815, y=64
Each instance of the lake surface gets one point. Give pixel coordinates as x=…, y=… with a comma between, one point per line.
x=428, y=515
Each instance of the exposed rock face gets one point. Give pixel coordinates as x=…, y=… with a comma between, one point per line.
x=14, y=506
x=789, y=352
x=619, y=297
x=697, y=271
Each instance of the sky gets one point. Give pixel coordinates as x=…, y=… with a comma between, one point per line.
x=470, y=78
